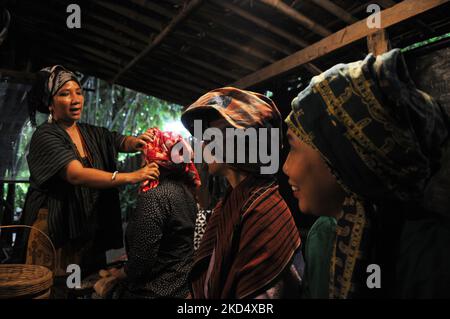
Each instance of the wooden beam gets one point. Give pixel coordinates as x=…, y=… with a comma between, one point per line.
x=230, y=40
x=153, y=88
x=164, y=68
x=270, y=27
x=297, y=16
x=253, y=35
x=378, y=42
x=262, y=23
x=183, y=14
x=391, y=16
x=335, y=10
x=214, y=34
x=236, y=58
x=202, y=64
x=121, y=27
x=154, y=7
x=131, y=14
x=189, y=69
x=51, y=19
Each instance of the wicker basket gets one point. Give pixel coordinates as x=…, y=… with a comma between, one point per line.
x=25, y=281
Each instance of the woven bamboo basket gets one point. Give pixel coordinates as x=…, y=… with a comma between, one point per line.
x=26, y=281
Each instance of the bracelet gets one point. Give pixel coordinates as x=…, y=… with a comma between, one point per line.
x=114, y=175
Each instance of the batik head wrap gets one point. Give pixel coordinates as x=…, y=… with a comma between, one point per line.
x=240, y=109
x=46, y=84
x=159, y=150
x=380, y=136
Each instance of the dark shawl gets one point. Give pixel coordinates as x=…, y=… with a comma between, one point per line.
x=76, y=213
x=254, y=237
x=382, y=139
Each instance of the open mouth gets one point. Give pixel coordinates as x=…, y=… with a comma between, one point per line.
x=75, y=109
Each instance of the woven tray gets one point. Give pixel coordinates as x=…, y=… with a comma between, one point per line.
x=17, y=280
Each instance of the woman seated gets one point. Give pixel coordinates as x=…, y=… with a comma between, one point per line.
x=159, y=235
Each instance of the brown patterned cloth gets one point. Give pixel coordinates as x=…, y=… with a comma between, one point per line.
x=252, y=238
x=240, y=109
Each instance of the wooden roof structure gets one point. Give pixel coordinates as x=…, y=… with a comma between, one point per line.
x=178, y=49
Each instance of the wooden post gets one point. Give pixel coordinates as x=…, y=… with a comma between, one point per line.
x=8, y=217
x=2, y=206
x=378, y=42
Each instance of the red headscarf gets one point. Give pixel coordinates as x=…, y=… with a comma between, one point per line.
x=159, y=151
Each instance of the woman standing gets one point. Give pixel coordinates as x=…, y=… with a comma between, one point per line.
x=73, y=178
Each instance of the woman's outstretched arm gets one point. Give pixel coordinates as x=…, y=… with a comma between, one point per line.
x=76, y=174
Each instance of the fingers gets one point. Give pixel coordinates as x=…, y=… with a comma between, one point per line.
x=140, y=144
x=154, y=172
x=152, y=165
x=146, y=137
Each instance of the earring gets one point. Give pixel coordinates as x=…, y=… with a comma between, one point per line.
x=50, y=118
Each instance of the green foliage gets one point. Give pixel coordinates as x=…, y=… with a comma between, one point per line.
x=425, y=42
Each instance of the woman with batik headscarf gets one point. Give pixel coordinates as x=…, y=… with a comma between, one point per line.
x=365, y=143
x=160, y=233
x=73, y=194
x=251, y=245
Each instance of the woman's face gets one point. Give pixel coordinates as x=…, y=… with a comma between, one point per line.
x=67, y=104
x=216, y=167
x=312, y=183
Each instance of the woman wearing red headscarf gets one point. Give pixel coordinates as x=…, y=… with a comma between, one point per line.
x=160, y=233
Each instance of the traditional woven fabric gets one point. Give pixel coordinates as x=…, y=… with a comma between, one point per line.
x=238, y=109
x=381, y=138
x=200, y=227
x=241, y=109
x=251, y=237
x=159, y=150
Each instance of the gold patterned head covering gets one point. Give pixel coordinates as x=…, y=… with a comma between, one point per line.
x=380, y=136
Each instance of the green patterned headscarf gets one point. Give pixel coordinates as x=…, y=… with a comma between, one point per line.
x=381, y=138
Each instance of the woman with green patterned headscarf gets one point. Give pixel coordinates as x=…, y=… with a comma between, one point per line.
x=364, y=144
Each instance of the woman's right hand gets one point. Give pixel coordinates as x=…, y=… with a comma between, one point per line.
x=148, y=172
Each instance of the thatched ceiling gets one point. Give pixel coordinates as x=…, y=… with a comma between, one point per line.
x=176, y=50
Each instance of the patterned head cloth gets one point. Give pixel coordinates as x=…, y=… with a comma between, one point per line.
x=159, y=151
x=380, y=136
x=240, y=109
x=47, y=83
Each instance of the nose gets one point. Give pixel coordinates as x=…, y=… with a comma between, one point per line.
x=76, y=99
x=286, y=166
